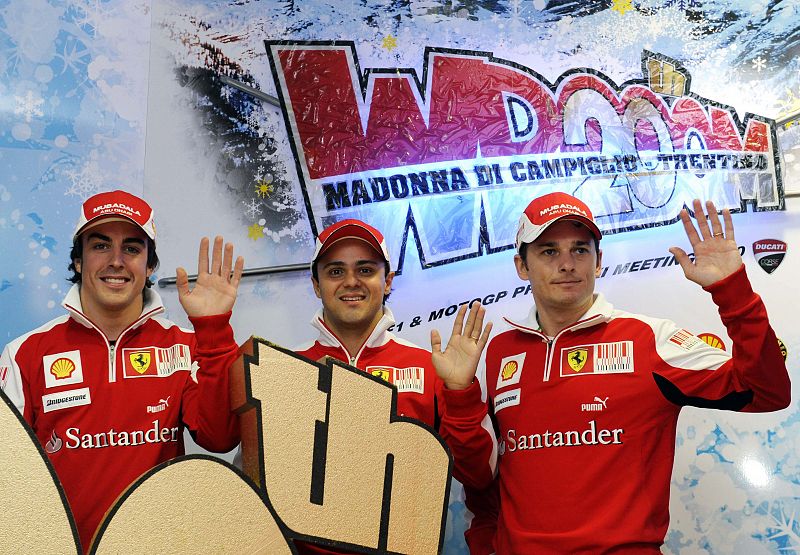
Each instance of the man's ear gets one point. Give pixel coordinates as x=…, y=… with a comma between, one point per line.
x=522, y=268
x=599, y=263
x=387, y=288
x=317, y=292
x=77, y=263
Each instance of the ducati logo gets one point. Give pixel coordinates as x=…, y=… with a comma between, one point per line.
x=577, y=358
x=769, y=254
x=140, y=361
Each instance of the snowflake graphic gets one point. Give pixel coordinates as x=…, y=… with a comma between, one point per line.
x=75, y=57
x=622, y=6
x=785, y=528
x=29, y=106
x=759, y=64
x=84, y=182
x=255, y=232
x=92, y=14
x=264, y=188
x=252, y=208
x=389, y=43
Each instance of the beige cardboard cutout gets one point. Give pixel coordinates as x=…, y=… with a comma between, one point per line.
x=327, y=457
x=34, y=515
x=194, y=504
x=337, y=463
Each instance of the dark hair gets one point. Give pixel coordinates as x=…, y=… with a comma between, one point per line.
x=77, y=254
x=315, y=275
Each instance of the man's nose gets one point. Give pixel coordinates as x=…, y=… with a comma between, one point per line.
x=351, y=278
x=116, y=257
x=566, y=262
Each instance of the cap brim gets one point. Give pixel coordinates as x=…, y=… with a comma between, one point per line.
x=589, y=224
x=107, y=219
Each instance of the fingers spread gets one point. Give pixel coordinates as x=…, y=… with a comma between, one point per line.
x=726, y=216
x=202, y=257
x=237, y=271
x=227, y=261
x=702, y=222
x=436, y=342
x=182, y=282
x=216, y=256
x=458, y=324
x=713, y=216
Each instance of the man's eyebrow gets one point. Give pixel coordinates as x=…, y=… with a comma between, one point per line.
x=106, y=238
x=364, y=262
x=99, y=236
x=550, y=244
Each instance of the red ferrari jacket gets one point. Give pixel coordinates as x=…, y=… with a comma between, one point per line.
x=108, y=412
x=587, y=419
x=411, y=370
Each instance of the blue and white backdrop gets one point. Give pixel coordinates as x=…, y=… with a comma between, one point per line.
x=436, y=121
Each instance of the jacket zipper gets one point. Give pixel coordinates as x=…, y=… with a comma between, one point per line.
x=112, y=373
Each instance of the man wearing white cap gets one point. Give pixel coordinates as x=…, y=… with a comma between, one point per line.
x=586, y=397
x=350, y=272
x=109, y=387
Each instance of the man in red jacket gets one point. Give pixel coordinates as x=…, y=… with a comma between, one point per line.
x=586, y=397
x=109, y=387
x=351, y=275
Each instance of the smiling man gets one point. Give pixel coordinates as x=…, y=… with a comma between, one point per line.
x=351, y=275
x=109, y=387
x=586, y=397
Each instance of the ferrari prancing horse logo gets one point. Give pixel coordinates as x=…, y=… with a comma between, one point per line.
x=140, y=360
x=577, y=358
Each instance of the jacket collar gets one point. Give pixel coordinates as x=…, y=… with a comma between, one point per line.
x=72, y=302
x=380, y=334
x=600, y=312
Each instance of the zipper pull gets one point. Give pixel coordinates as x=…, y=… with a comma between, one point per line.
x=111, y=351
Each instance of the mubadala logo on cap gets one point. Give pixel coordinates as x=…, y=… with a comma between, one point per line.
x=769, y=254
x=116, y=206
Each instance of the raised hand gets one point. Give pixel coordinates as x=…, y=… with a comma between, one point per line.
x=215, y=290
x=457, y=364
x=716, y=255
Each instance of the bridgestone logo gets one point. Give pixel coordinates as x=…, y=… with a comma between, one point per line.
x=66, y=399
x=51, y=402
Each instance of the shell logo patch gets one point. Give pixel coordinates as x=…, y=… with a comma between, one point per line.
x=62, y=369
x=577, y=358
x=712, y=340
x=510, y=370
x=140, y=361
